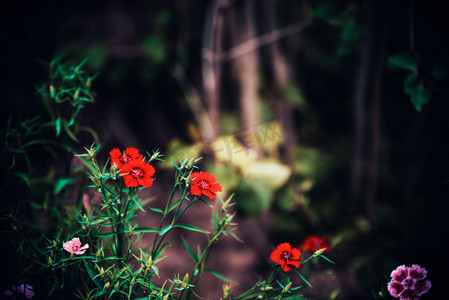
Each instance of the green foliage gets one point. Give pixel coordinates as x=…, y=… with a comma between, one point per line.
x=69, y=84
x=413, y=83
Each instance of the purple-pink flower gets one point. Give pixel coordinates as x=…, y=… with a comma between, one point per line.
x=407, y=282
x=23, y=290
x=74, y=246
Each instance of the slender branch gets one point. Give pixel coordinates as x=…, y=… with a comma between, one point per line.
x=265, y=39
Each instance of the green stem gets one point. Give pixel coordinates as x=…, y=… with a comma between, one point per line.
x=156, y=243
x=188, y=205
x=200, y=265
x=153, y=249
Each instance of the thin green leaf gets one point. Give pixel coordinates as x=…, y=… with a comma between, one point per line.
x=165, y=230
x=23, y=177
x=191, y=228
x=137, y=203
x=91, y=273
x=406, y=60
x=302, y=277
x=58, y=126
x=157, y=210
x=205, y=202
x=218, y=275
x=192, y=254
x=174, y=205
x=326, y=258
x=145, y=229
x=104, y=235
x=62, y=183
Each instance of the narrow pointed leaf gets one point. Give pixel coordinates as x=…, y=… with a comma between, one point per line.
x=145, y=229
x=218, y=275
x=165, y=230
x=302, y=277
x=191, y=228
x=192, y=254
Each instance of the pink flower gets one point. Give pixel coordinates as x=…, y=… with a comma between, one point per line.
x=407, y=283
x=74, y=246
x=23, y=290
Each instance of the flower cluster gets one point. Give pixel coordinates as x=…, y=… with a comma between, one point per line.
x=286, y=256
x=407, y=282
x=23, y=291
x=132, y=166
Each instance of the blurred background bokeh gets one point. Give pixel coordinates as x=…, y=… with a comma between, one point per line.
x=321, y=116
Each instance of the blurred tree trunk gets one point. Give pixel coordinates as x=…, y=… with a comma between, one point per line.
x=359, y=104
x=281, y=74
x=212, y=44
x=246, y=65
x=373, y=161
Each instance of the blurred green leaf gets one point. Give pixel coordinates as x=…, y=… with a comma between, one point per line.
x=294, y=95
x=58, y=126
x=273, y=173
x=419, y=95
x=254, y=196
x=23, y=177
x=408, y=60
x=226, y=174
x=62, y=183
x=163, y=16
x=350, y=36
x=155, y=48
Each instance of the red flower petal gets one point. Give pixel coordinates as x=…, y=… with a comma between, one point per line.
x=203, y=184
x=286, y=256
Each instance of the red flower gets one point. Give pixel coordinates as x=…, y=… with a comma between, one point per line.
x=287, y=256
x=312, y=243
x=122, y=159
x=204, y=184
x=137, y=173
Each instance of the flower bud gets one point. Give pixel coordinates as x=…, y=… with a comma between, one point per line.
x=76, y=95
x=97, y=181
x=154, y=156
x=287, y=287
x=185, y=281
x=106, y=286
x=320, y=251
x=226, y=290
x=50, y=261
x=191, y=163
x=229, y=218
x=54, y=243
x=133, y=281
x=266, y=288
x=131, y=230
x=117, y=286
x=101, y=272
x=113, y=171
x=72, y=255
x=52, y=91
